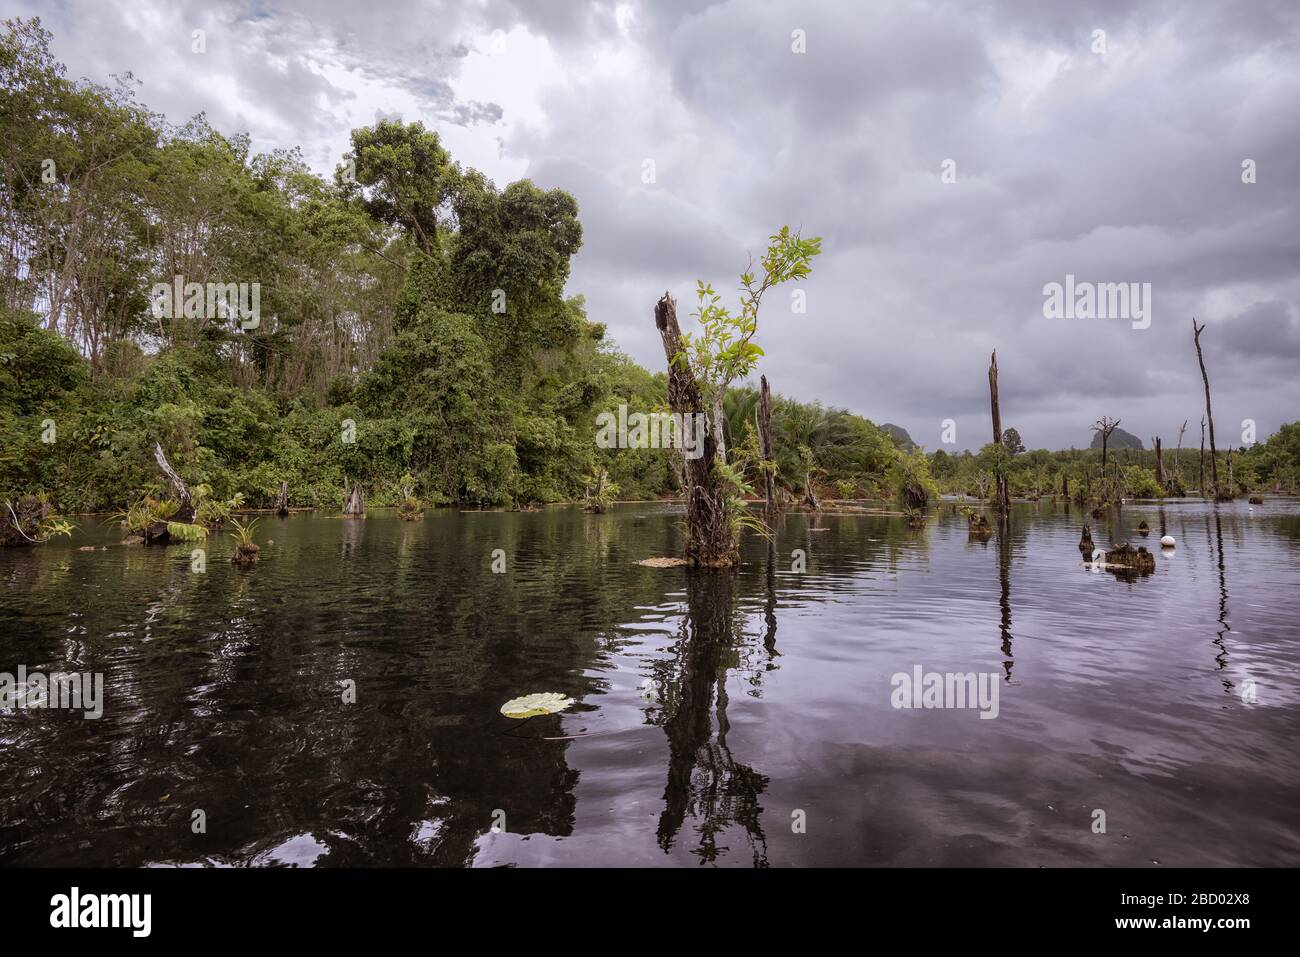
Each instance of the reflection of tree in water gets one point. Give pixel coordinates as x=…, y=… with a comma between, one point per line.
x=705, y=781
x=1004, y=596
x=1221, y=659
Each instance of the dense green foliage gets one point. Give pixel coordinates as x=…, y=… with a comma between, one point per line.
x=413, y=321
x=413, y=326
x=1271, y=465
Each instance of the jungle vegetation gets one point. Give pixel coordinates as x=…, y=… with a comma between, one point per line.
x=415, y=334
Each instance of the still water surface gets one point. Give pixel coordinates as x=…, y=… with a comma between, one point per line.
x=727, y=719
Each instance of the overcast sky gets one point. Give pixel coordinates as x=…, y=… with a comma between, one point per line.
x=1115, y=166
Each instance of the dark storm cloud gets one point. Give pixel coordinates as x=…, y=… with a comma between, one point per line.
x=1117, y=167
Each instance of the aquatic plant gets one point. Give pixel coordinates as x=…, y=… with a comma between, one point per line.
x=246, y=550
x=546, y=702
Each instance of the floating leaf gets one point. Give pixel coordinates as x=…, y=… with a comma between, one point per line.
x=547, y=702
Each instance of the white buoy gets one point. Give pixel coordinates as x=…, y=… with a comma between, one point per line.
x=1168, y=541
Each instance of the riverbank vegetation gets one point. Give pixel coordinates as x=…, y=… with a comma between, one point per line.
x=414, y=340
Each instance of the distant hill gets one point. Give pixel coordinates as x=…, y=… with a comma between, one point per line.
x=1119, y=439
x=899, y=435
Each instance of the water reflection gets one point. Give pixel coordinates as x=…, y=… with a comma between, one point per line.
x=705, y=781
x=224, y=691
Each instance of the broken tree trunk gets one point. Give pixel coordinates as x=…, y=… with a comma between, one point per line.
x=1065, y=486
x=1200, y=357
x=1160, y=463
x=765, y=444
x=709, y=539
x=1003, y=497
x=186, y=511
x=282, y=506
x=156, y=532
x=809, y=496
x=719, y=424
x=354, y=502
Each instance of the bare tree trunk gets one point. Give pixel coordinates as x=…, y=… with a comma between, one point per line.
x=157, y=531
x=1065, y=486
x=1232, y=489
x=1160, y=464
x=1178, y=453
x=1003, y=497
x=709, y=540
x=1200, y=357
x=282, y=506
x=1200, y=483
x=765, y=443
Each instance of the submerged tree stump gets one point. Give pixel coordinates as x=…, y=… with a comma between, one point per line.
x=282, y=505
x=1134, y=559
x=1086, y=547
x=245, y=554
x=354, y=502
x=1003, y=493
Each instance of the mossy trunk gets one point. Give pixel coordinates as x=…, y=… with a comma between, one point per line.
x=21, y=521
x=709, y=538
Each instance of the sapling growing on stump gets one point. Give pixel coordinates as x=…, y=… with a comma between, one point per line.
x=700, y=367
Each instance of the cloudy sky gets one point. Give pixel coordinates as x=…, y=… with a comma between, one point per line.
x=1122, y=164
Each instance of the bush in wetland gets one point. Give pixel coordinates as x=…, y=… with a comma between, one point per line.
x=909, y=476
x=600, y=491
x=136, y=519
x=410, y=509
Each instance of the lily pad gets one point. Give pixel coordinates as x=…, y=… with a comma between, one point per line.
x=546, y=702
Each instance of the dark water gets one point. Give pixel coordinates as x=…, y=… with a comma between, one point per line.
x=1170, y=703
